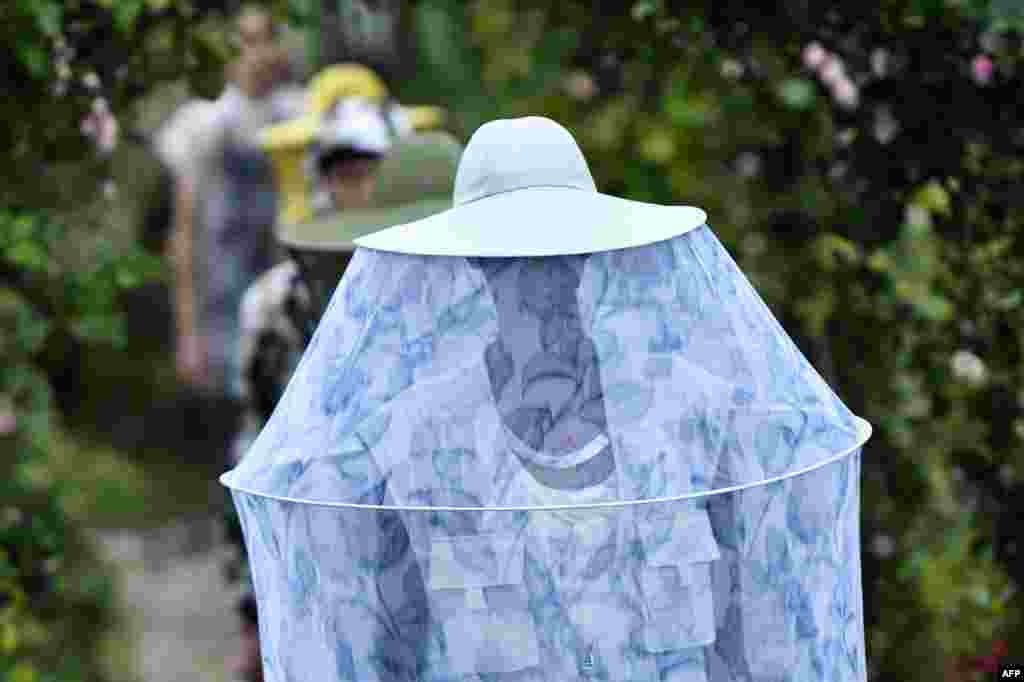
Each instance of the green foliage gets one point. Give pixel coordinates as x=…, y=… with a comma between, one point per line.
x=883, y=230
x=63, y=273
x=56, y=597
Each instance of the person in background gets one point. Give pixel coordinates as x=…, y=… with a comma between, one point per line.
x=351, y=142
x=350, y=145
x=171, y=143
x=323, y=161
x=328, y=170
x=413, y=180
x=222, y=240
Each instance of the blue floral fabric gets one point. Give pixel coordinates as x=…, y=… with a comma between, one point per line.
x=758, y=584
x=606, y=467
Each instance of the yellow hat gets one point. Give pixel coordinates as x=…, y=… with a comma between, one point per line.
x=286, y=143
x=341, y=82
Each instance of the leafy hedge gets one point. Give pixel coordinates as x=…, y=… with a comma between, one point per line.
x=56, y=598
x=78, y=68
x=860, y=160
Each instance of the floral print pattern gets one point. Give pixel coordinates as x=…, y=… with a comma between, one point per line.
x=412, y=513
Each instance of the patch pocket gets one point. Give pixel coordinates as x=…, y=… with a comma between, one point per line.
x=476, y=584
x=676, y=581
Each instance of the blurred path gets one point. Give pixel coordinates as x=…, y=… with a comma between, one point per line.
x=174, y=595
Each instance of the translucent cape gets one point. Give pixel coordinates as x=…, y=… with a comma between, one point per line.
x=693, y=382
x=609, y=467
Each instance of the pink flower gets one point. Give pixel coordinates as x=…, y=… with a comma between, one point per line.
x=101, y=127
x=108, y=135
x=89, y=126
x=580, y=86
x=846, y=93
x=831, y=71
x=814, y=55
x=8, y=421
x=981, y=69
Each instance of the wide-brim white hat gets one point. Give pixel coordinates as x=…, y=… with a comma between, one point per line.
x=523, y=188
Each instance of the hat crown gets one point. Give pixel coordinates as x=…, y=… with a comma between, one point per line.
x=356, y=123
x=420, y=166
x=510, y=154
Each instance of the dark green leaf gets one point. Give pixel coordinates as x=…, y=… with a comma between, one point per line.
x=34, y=57
x=98, y=328
x=126, y=12
x=48, y=16
x=28, y=255
x=797, y=94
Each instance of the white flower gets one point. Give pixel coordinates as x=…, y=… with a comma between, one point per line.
x=991, y=42
x=880, y=62
x=919, y=407
x=12, y=516
x=748, y=164
x=883, y=546
x=1018, y=428
x=814, y=54
x=109, y=190
x=886, y=126
x=968, y=367
x=731, y=69
x=91, y=81
x=917, y=216
x=846, y=93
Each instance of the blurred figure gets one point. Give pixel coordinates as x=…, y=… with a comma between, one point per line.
x=223, y=238
x=172, y=146
x=173, y=143
x=352, y=140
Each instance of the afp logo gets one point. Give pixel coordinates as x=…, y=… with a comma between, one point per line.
x=1011, y=672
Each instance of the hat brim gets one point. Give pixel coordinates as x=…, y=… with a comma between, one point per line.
x=425, y=118
x=302, y=131
x=537, y=221
x=338, y=232
x=296, y=133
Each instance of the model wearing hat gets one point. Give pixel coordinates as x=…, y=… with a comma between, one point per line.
x=332, y=153
x=221, y=247
x=342, y=162
x=289, y=143
x=280, y=310
x=550, y=434
x=323, y=162
x=413, y=181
